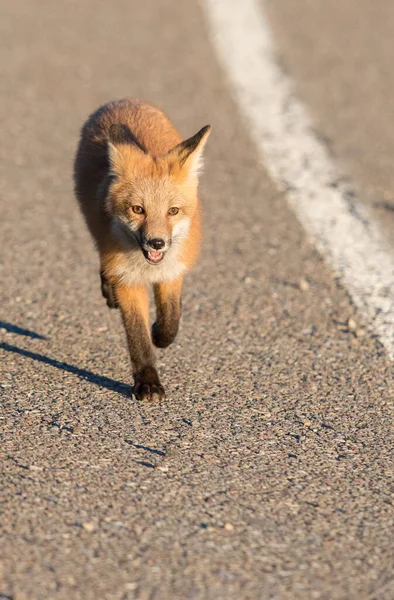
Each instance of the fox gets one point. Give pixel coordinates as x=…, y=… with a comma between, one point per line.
x=136, y=182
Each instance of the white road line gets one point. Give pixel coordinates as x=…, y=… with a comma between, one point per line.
x=346, y=236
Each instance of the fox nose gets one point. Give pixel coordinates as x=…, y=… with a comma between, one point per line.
x=156, y=243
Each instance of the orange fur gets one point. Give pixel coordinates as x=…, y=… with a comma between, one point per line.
x=136, y=182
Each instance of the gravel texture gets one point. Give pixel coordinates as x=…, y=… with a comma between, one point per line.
x=268, y=472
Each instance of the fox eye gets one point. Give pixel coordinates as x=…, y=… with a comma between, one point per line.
x=173, y=211
x=137, y=209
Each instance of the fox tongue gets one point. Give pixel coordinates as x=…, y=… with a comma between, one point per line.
x=155, y=255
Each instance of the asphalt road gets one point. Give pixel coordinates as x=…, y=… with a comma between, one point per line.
x=268, y=472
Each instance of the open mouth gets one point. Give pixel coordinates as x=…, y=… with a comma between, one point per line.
x=154, y=257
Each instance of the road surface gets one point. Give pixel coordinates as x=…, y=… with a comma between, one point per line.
x=268, y=472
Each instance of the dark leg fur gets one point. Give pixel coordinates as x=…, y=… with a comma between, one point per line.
x=168, y=308
x=108, y=292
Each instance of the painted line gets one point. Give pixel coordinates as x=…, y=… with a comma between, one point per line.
x=298, y=162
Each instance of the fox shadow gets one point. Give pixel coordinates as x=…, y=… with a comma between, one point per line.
x=104, y=382
x=20, y=331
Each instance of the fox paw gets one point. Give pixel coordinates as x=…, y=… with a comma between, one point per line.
x=163, y=337
x=147, y=385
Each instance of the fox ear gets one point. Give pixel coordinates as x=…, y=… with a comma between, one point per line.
x=119, y=133
x=116, y=160
x=188, y=155
x=119, y=136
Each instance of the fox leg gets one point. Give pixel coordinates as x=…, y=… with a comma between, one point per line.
x=108, y=291
x=133, y=302
x=168, y=312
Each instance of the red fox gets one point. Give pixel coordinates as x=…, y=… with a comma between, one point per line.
x=136, y=182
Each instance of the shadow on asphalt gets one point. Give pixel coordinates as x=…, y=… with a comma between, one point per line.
x=20, y=331
x=100, y=380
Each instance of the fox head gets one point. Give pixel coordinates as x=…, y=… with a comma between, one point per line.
x=152, y=199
